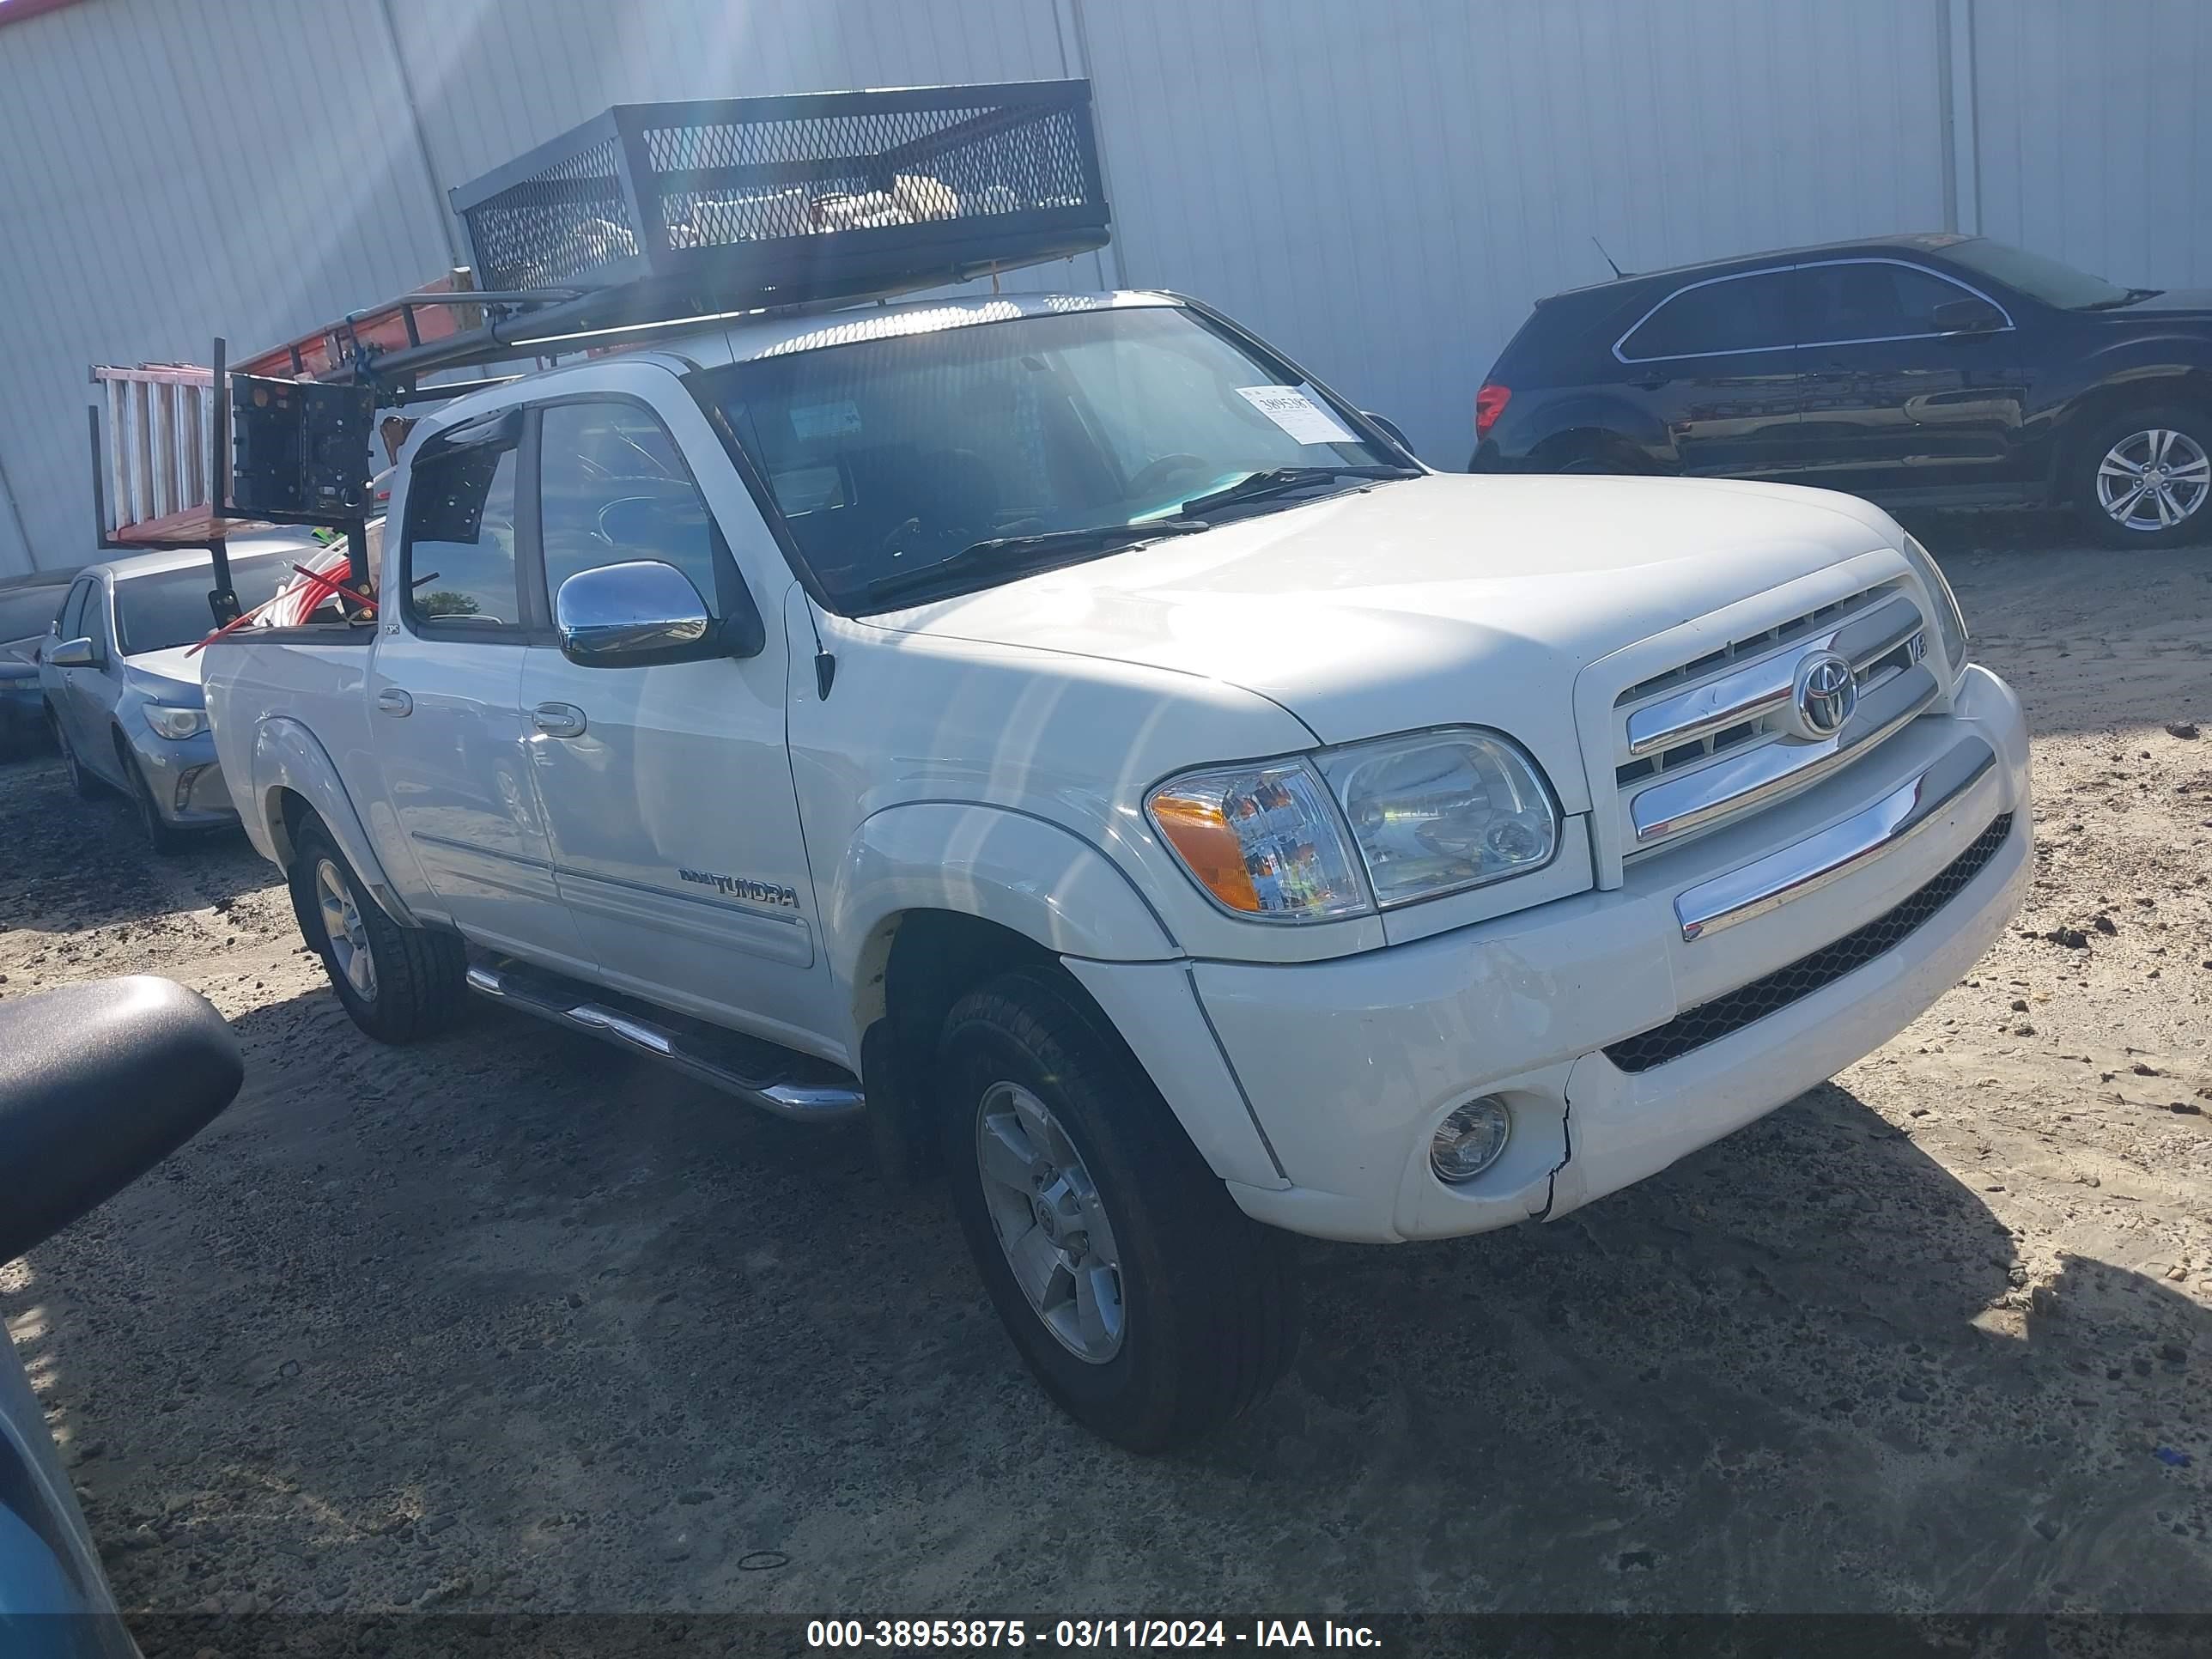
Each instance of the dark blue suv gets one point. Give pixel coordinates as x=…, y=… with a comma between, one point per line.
x=1931, y=370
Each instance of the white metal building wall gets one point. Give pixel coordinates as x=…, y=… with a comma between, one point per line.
x=1381, y=186
x=2093, y=141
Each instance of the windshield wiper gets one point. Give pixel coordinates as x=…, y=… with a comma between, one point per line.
x=2133, y=296
x=1281, y=480
x=1024, y=555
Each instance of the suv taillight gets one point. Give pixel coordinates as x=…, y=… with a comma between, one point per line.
x=1489, y=403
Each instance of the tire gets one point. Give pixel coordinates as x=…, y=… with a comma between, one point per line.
x=399, y=984
x=162, y=839
x=2171, y=441
x=88, y=787
x=1197, y=1317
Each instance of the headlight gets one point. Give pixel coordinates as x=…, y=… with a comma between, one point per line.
x=1430, y=813
x=1261, y=840
x=1950, y=621
x=176, y=723
x=1442, y=811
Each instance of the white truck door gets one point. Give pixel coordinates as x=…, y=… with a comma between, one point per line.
x=446, y=699
x=667, y=789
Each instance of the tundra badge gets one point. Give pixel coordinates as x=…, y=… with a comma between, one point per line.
x=744, y=887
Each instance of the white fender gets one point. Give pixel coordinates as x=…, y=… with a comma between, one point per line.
x=1050, y=885
x=1042, y=881
x=288, y=755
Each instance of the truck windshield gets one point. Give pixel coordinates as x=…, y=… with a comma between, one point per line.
x=170, y=607
x=887, y=456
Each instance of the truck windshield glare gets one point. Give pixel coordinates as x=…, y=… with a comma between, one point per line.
x=886, y=456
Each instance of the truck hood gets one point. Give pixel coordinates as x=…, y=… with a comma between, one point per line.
x=1442, y=598
x=167, y=675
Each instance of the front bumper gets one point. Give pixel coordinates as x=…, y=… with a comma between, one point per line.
x=187, y=784
x=1350, y=1064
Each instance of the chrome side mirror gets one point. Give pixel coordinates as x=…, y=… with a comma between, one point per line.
x=74, y=653
x=633, y=616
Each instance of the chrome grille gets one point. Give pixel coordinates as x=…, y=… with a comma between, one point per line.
x=1711, y=739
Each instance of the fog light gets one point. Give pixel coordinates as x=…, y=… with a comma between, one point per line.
x=1471, y=1140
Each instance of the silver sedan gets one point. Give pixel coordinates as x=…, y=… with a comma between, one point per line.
x=122, y=684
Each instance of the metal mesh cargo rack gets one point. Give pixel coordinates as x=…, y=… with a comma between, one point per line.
x=727, y=201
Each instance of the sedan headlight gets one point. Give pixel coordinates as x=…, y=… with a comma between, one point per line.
x=1950, y=621
x=176, y=723
x=1430, y=813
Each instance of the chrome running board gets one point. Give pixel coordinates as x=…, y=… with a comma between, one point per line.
x=775, y=1080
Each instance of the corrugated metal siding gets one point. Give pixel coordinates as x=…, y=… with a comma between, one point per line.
x=2095, y=144
x=119, y=125
x=1383, y=190
x=1386, y=202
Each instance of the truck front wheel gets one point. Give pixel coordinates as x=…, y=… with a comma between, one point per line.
x=1150, y=1307
x=398, y=983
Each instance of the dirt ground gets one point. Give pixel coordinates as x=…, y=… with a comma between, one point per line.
x=504, y=1323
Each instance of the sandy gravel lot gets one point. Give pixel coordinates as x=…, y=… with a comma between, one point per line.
x=504, y=1322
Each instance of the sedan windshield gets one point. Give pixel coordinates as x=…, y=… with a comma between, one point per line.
x=889, y=456
x=2039, y=278
x=170, y=607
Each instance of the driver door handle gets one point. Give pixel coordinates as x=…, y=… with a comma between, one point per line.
x=558, y=719
x=393, y=701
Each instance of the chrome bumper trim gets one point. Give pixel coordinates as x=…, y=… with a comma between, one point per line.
x=1809, y=864
x=1758, y=776
x=1760, y=687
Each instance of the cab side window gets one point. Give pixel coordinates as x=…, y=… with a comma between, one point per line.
x=458, y=559
x=1734, y=313
x=612, y=487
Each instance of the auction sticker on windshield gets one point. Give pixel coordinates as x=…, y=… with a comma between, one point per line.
x=1291, y=408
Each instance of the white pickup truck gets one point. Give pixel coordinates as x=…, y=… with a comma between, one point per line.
x=1060, y=732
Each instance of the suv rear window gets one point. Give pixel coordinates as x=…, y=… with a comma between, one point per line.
x=1728, y=314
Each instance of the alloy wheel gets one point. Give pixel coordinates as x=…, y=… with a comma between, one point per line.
x=1045, y=1210
x=2154, y=480
x=341, y=925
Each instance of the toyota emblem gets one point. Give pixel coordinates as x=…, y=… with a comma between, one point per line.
x=1824, y=696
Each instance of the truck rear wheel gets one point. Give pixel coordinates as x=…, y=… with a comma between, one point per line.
x=1150, y=1307
x=398, y=983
